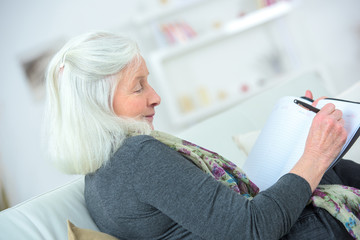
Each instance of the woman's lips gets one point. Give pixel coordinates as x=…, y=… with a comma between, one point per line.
x=150, y=118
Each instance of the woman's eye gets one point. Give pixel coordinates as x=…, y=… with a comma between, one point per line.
x=138, y=89
x=139, y=86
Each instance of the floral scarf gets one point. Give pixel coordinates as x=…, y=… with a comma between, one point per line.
x=341, y=202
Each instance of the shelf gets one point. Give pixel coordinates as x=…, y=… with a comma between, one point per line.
x=201, y=113
x=164, y=59
x=166, y=11
x=237, y=26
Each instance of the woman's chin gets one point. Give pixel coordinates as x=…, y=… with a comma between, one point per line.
x=149, y=120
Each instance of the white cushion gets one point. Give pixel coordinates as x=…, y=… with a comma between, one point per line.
x=246, y=141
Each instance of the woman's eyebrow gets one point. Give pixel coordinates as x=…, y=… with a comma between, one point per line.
x=142, y=76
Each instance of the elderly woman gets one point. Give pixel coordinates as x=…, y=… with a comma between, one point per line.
x=144, y=184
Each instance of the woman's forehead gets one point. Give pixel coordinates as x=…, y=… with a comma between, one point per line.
x=134, y=71
x=137, y=66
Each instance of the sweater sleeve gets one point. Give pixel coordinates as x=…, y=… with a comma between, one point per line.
x=171, y=183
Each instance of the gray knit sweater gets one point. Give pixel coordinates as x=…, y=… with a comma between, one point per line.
x=149, y=191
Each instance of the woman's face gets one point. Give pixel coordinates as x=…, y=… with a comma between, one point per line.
x=134, y=97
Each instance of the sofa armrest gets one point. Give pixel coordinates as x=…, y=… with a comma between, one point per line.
x=45, y=216
x=352, y=93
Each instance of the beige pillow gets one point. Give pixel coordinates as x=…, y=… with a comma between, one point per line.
x=245, y=141
x=75, y=233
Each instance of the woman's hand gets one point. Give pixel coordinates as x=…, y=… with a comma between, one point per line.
x=326, y=137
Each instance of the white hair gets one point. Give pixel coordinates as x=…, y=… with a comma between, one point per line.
x=81, y=128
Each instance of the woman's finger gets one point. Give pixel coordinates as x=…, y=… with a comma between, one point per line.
x=329, y=108
x=342, y=122
x=308, y=94
x=337, y=114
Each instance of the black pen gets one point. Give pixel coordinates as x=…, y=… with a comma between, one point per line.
x=307, y=106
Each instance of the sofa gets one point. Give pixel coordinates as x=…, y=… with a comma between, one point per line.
x=230, y=133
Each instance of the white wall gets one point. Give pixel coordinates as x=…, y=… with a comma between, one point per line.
x=26, y=25
x=327, y=32
x=324, y=31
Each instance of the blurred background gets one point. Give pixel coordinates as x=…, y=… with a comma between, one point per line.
x=204, y=56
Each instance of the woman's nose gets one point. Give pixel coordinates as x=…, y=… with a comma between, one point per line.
x=154, y=99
